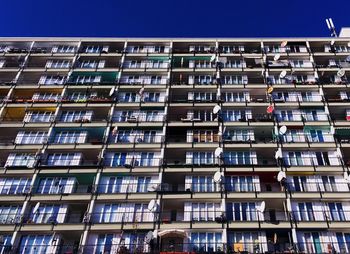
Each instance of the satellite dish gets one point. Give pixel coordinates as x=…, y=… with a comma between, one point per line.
x=153, y=187
x=278, y=154
x=216, y=109
x=289, y=205
x=284, y=43
x=217, y=177
x=218, y=152
x=152, y=205
x=149, y=237
x=31, y=163
x=141, y=91
x=270, y=109
x=36, y=207
x=332, y=42
x=281, y=175
x=348, y=44
x=338, y=153
x=340, y=73
x=277, y=57
x=212, y=58
x=223, y=60
x=115, y=131
x=262, y=207
x=270, y=90
x=283, y=74
x=282, y=130
x=294, y=236
x=347, y=59
x=111, y=92
x=346, y=177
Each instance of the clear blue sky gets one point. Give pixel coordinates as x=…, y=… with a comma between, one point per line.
x=171, y=18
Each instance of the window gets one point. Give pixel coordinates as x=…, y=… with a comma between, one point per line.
x=88, y=79
x=202, y=211
x=305, y=212
x=201, y=79
x=293, y=159
x=204, y=136
x=38, y=117
x=146, y=160
x=143, y=183
x=232, y=49
x=201, y=96
x=123, y=116
x=36, y=244
x=329, y=183
x=243, y=211
x=343, y=240
x=115, y=159
x=236, y=97
x=112, y=185
x=124, y=136
x=300, y=183
x=52, y=80
x=63, y=49
x=206, y=242
x=234, y=80
x=118, y=213
x=239, y=184
x=64, y=159
x=239, y=158
x=56, y=185
x=235, y=115
x=200, y=158
x=47, y=214
x=249, y=242
x=148, y=49
x=46, y=97
x=31, y=137
x=128, y=97
x=203, y=184
x=6, y=245
x=12, y=186
x=10, y=214
x=239, y=135
x=95, y=49
x=336, y=211
x=151, y=97
x=76, y=116
x=152, y=116
x=58, y=64
x=89, y=64
x=70, y=137
x=234, y=63
x=23, y=159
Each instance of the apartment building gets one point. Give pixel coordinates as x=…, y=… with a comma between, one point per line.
x=174, y=145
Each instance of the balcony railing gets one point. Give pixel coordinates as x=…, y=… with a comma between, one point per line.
x=312, y=160
x=62, y=189
x=12, y=189
x=69, y=162
x=51, y=218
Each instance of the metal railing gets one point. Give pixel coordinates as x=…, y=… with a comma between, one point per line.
x=53, y=218
x=313, y=160
x=133, y=162
x=62, y=189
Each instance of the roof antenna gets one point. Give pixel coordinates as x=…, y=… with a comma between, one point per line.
x=331, y=27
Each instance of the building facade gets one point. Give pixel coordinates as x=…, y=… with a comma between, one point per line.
x=174, y=145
